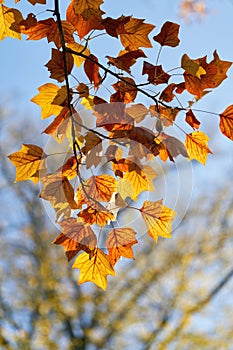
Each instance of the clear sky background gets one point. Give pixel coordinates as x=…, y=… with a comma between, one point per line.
x=22, y=66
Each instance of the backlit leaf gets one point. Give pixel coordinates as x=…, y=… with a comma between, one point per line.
x=168, y=35
x=9, y=22
x=135, y=34
x=92, y=216
x=29, y=163
x=96, y=189
x=94, y=269
x=126, y=60
x=196, y=145
x=92, y=70
x=226, y=122
x=156, y=74
x=56, y=65
x=78, y=48
x=87, y=7
x=192, y=120
x=45, y=98
x=76, y=236
x=119, y=243
x=158, y=219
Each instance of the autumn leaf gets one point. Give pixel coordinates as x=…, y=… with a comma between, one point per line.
x=96, y=189
x=192, y=120
x=137, y=111
x=196, y=145
x=84, y=25
x=94, y=269
x=76, y=236
x=115, y=26
x=167, y=94
x=173, y=147
x=135, y=34
x=48, y=28
x=58, y=190
x=30, y=21
x=168, y=35
x=92, y=216
x=126, y=60
x=45, y=99
x=126, y=91
x=56, y=65
x=92, y=149
x=87, y=7
x=119, y=243
x=78, y=60
x=92, y=70
x=69, y=168
x=9, y=22
x=226, y=122
x=156, y=74
x=158, y=219
x=29, y=163
x=192, y=66
x=34, y=2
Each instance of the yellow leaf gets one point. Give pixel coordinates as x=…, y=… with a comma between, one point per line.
x=47, y=93
x=138, y=181
x=29, y=162
x=94, y=268
x=119, y=243
x=92, y=216
x=88, y=102
x=78, y=60
x=9, y=22
x=196, y=145
x=158, y=219
x=125, y=188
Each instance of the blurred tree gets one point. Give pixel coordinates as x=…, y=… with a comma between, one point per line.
x=177, y=295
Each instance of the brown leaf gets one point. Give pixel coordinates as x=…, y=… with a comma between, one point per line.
x=86, y=8
x=226, y=122
x=56, y=65
x=75, y=236
x=173, y=146
x=115, y=26
x=192, y=120
x=126, y=60
x=126, y=91
x=168, y=35
x=92, y=70
x=167, y=94
x=156, y=74
x=137, y=111
x=119, y=243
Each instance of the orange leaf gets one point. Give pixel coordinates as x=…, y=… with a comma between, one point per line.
x=69, y=169
x=158, y=219
x=156, y=74
x=196, y=145
x=135, y=34
x=167, y=94
x=75, y=236
x=48, y=28
x=92, y=70
x=9, y=22
x=83, y=26
x=226, y=122
x=94, y=269
x=30, y=21
x=96, y=189
x=29, y=163
x=125, y=92
x=126, y=60
x=45, y=99
x=192, y=120
x=168, y=35
x=56, y=65
x=34, y=2
x=119, y=243
x=92, y=216
x=87, y=7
